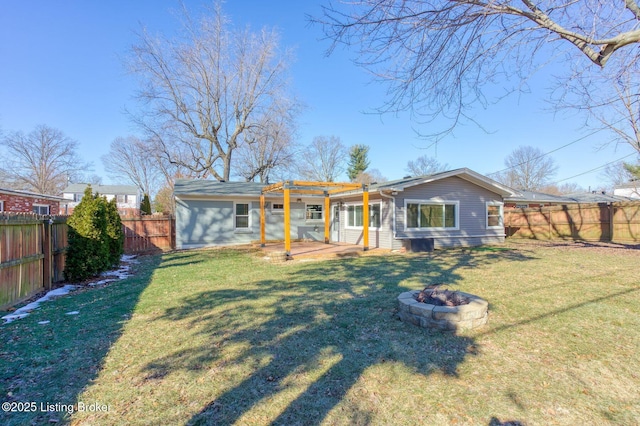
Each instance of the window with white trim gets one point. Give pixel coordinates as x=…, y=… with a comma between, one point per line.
x=313, y=212
x=495, y=215
x=40, y=209
x=431, y=214
x=241, y=215
x=1, y=206
x=277, y=208
x=355, y=216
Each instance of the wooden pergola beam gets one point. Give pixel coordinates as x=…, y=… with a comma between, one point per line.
x=312, y=188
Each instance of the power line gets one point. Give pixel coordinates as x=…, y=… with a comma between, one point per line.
x=593, y=170
x=547, y=153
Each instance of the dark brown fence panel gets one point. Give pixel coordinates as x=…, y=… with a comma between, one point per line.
x=145, y=234
x=589, y=222
x=21, y=258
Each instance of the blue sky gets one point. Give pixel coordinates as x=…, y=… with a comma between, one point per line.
x=61, y=65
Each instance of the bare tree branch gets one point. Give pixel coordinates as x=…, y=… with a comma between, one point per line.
x=42, y=161
x=438, y=57
x=323, y=160
x=204, y=91
x=527, y=168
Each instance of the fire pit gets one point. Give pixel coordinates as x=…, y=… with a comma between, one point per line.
x=443, y=309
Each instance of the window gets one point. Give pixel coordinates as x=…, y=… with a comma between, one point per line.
x=355, y=216
x=314, y=212
x=40, y=209
x=494, y=215
x=242, y=215
x=432, y=214
x=122, y=198
x=1, y=206
x=77, y=197
x=277, y=208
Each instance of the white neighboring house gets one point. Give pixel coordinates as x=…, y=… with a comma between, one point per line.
x=127, y=196
x=629, y=190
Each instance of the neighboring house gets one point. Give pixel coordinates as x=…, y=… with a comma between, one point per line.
x=127, y=196
x=629, y=190
x=455, y=208
x=532, y=199
x=14, y=201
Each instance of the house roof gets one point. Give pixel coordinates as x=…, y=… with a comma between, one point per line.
x=30, y=194
x=597, y=197
x=77, y=188
x=578, y=197
x=539, y=197
x=463, y=173
x=210, y=187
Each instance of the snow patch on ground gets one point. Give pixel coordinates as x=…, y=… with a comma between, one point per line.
x=116, y=275
x=25, y=310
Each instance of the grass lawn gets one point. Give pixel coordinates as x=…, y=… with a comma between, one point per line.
x=224, y=337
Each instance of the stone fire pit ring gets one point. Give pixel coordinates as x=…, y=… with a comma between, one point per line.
x=451, y=318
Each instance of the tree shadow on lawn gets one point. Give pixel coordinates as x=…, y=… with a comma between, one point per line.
x=314, y=335
x=52, y=363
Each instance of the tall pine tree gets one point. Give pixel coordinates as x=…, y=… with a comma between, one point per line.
x=358, y=161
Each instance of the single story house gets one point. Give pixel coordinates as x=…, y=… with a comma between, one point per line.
x=454, y=208
x=15, y=201
x=127, y=196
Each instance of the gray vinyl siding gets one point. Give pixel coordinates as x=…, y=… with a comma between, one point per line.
x=207, y=222
x=472, y=229
x=378, y=237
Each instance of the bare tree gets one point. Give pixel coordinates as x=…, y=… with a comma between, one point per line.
x=425, y=165
x=370, y=176
x=439, y=56
x=204, y=91
x=323, y=160
x=563, y=189
x=615, y=174
x=268, y=148
x=133, y=159
x=42, y=161
x=527, y=168
x=608, y=97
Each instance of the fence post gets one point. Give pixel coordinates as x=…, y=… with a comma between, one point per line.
x=47, y=251
x=611, y=214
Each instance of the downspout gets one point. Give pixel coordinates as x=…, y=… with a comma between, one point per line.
x=393, y=206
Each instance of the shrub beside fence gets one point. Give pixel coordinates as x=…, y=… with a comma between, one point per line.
x=619, y=222
x=32, y=250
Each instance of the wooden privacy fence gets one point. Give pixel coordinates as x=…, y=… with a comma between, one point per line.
x=32, y=255
x=32, y=250
x=590, y=222
x=148, y=233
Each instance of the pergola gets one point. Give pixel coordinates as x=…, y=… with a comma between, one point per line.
x=312, y=188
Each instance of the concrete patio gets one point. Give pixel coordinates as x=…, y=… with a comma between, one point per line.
x=317, y=249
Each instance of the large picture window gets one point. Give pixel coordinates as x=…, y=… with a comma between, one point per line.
x=495, y=215
x=355, y=216
x=432, y=214
x=242, y=215
x=314, y=212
